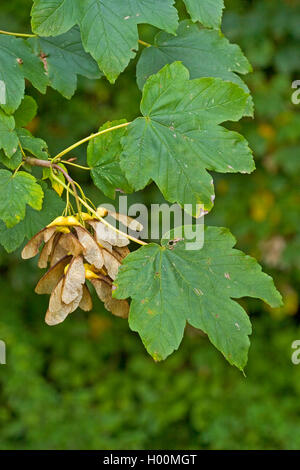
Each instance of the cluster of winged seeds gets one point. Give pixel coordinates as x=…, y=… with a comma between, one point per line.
x=76, y=253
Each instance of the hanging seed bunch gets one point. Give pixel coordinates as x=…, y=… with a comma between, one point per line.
x=76, y=251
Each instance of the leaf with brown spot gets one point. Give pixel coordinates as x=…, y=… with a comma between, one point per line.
x=73, y=280
x=170, y=286
x=93, y=253
x=48, y=282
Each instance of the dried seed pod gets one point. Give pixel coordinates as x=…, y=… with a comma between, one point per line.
x=58, y=311
x=86, y=302
x=104, y=244
x=112, y=263
x=31, y=249
x=93, y=253
x=65, y=280
x=71, y=244
x=49, y=281
x=122, y=251
x=129, y=222
x=46, y=252
x=73, y=280
x=58, y=252
x=107, y=234
x=120, y=308
x=102, y=288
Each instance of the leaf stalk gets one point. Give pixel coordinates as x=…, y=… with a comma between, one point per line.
x=21, y=35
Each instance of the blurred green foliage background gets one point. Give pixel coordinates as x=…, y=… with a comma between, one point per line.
x=88, y=383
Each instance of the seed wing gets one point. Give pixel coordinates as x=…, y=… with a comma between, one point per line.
x=93, y=253
x=46, y=252
x=73, y=280
x=31, y=249
x=58, y=311
x=120, y=308
x=86, y=302
x=107, y=234
x=112, y=263
x=48, y=282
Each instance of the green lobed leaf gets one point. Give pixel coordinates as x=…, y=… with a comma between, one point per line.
x=11, y=238
x=103, y=156
x=205, y=53
x=15, y=192
x=109, y=29
x=58, y=187
x=33, y=145
x=37, y=147
x=17, y=62
x=64, y=58
x=179, y=137
x=34, y=221
x=170, y=285
x=26, y=112
x=208, y=12
x=53, y=17
x=8, y=136
x=13, y=162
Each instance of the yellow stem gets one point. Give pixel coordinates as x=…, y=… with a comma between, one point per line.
x=81, y=190
x=75, y=164
x=86, y=139
x=67, y=200
x=18, y=167
x=21, y=35
x=72, y=183
x=22, y=162
x=144, y=43
x=22, y=151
